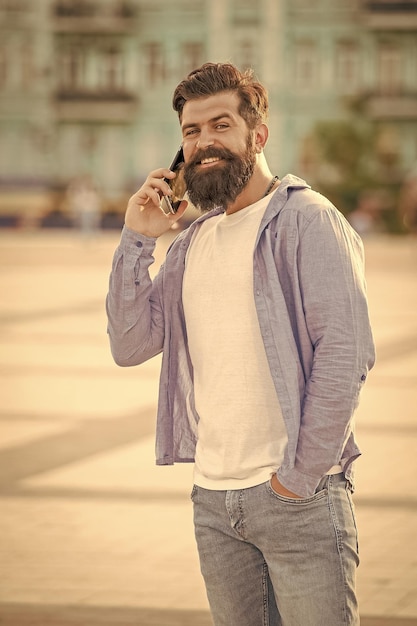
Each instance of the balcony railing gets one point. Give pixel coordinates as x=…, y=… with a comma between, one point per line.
x=102, y=95
x=384, y=106
x=390, y=6
x=388, y=15
x=119, y=106
x=92, y=8
x=90, y=16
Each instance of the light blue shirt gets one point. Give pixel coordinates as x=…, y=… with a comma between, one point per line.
x=310, y=296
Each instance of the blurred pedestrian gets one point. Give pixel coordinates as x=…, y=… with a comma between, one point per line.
x=408, y=202
x=261, y=314
x=366, y=216
x=84, y=205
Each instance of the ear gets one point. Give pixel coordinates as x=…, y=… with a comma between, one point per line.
x=261, y=137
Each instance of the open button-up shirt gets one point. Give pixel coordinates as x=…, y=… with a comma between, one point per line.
x=310, y=296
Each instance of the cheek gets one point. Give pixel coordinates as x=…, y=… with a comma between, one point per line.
x=188, y=148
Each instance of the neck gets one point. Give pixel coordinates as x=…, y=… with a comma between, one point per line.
x=259, y=185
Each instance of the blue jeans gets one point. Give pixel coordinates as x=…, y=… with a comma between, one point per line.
x=268, y=560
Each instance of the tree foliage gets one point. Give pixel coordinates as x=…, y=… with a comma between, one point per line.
x=353, y=158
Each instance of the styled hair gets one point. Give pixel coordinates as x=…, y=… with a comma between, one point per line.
x=213, y=78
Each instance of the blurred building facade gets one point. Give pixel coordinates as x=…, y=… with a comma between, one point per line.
x=86, y=85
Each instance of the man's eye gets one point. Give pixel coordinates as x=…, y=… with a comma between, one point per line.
x=191, y=131
x=222, y=126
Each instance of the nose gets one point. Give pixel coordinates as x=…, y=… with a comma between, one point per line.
x=205, y=139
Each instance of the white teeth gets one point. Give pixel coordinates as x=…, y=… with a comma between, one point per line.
x=210, y=160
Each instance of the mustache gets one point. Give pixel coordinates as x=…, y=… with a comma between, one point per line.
x=211, y=153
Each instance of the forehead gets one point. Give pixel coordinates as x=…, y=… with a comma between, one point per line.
x=200, y=110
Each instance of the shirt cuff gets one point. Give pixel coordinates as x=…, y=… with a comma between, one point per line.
x=131, y=239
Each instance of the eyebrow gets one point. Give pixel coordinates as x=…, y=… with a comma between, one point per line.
x=211, y=121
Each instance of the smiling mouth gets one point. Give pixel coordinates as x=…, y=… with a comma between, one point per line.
x=210, y=161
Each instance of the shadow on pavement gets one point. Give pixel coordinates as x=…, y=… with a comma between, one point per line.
x=38, y=615
x=49, y=615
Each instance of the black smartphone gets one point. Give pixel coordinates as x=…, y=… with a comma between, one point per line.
x=177, y=184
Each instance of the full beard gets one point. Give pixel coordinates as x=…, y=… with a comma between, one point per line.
x=219, y=185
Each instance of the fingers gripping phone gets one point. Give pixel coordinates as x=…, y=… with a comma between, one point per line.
x=177, y=184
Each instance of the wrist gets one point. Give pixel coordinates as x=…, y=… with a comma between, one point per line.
x=279, y=488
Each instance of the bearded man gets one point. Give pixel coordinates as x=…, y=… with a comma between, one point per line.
x=260, y=311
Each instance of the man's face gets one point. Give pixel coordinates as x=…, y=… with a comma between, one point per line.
x=219, y=150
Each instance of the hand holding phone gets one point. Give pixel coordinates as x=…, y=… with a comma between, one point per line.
x=171, y=203
x=144, y=214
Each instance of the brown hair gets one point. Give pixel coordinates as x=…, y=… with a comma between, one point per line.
x=213, y=78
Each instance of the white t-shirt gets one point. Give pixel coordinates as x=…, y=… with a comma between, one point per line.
x=241, y=432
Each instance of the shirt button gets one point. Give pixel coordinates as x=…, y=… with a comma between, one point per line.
x=363, y=377
x=139, y=244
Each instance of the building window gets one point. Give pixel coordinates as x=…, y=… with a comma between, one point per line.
x=301, y=6
x=246, y=11
x=192, y=55
x=69, y=8
x=3, y=65
x=155, y=63
x=86, y=65
x=14, y=6
x=246, y=54
x=72, y=67
x=27, y=69
x=16, y=64
x=390, y=70
x=306, y=65
x=346, y=67
x=111, y=69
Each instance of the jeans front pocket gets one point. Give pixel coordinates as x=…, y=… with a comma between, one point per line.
x=320, y=492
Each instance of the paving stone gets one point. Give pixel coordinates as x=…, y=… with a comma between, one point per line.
x=91, y=531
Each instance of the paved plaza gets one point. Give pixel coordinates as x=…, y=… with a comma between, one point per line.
x=93, y=533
